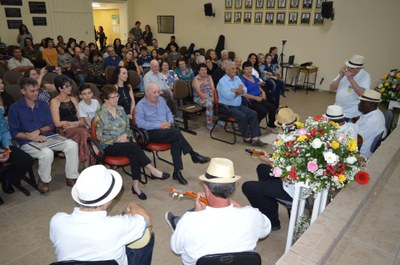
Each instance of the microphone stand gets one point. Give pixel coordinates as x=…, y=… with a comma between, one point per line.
x=281, y=60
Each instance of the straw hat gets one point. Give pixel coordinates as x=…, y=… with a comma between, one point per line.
x=96, y=186
x=286, y=117
x=357, y=61
x=371, y=96
x=334, y=112
x=220, y=170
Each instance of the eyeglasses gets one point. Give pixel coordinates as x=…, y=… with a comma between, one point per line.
x=116, y=96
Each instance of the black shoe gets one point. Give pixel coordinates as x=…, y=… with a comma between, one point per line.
x=141, y=196
x=275, y=227
x=178, y=176
x=1, y=200
x=197, y=158
x=258, y=143
x=7, y=187
x=164, y=176
x=23, y=190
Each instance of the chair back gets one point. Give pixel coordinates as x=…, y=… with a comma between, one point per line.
x=76, y=262
x=14, y=91
x=388, y=122
x=235, y=258
x=109, y=71
x=48, y=78
x=376, y=143
x=133, y=79
x=12, y=77
x=180, y=89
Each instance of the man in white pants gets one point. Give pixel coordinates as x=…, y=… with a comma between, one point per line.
x=30, y=120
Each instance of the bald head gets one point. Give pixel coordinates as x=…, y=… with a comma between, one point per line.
x=154, y=66
x=152, y=92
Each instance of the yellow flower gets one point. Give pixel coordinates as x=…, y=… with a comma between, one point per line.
x=385, y=76
x=299, y=124
x=301, y=138
x=352, y=146
x=335, y=145
x=386, y=84
x=275, y=156
x=279, y=142
x=382, y=89
x=398, y=75
x=334, y=124
x=341, y=178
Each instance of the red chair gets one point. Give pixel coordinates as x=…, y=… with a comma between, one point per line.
x=223, y=115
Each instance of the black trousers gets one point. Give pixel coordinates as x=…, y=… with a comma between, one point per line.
x=137, y=157
x=262, y=194
x=263, y=108
x=178, y=143
x=16, y=166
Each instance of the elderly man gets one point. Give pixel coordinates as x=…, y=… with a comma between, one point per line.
x=113, y=59
x=351, y=83
x=30, y=120
x=224, y=56
x=153, y=115
x=335, y=113
x=222, y=226
x=230, y=91
x=17, y=62
x=371, y=122
x=88, y=234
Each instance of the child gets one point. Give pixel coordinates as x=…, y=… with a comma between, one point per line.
x=87, y=106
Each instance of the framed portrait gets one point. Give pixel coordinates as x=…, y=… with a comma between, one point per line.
x=281, y=3
x=258, y=17
x=307, y=4
x=228, y=3
x=305, y=18
x=294, y=4
x=259, y=3
x=280, y=18
x=269, y=18
x=12, y=12
x=319, y=3
x=37, y=7
x=39, y=21
x=270, y=3
x=228, y=17
x=293, y=18
x=248, y=4
x=11, y=2
x=166, y=24
x=238, y=17
x=247, y=17
x=238, y=4
x=14, y=23
x=318, y=19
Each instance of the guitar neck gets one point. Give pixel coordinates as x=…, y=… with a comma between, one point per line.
x=180, y=193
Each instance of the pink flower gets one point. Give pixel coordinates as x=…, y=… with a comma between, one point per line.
x=301, y=131
x=312, y=166
x=391, y=73
x=277, y=172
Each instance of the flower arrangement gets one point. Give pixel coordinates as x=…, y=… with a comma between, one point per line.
x=389, y=86
x=318, y=154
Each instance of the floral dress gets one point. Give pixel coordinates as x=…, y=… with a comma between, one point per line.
x=205, y=88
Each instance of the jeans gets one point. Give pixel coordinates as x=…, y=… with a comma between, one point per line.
x=141, y=256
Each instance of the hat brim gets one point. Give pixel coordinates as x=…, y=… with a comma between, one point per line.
x=288, y=124
x=370, y=100
x=334, y=118
x=219, y=180
x=114, y=192
x=348, y=64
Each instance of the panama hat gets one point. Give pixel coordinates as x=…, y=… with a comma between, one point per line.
x=357, y=61
x=334, y=112
x=371, y=96
x=96, y=186
x=220, y=170
x=286, y=117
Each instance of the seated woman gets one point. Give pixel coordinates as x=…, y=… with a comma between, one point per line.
x=256, y=98
x=64, y=62
x=45, y=88
x=272, y=76
x=29, y=51
x=113, y=132
x=96, y=68
x=5, y=99
x=184, y=73
x=204, y=93
x=67, y=120
x=126, y=99
x=50, y=54
x=155, y=56
x=130, y=62
x=169, y=77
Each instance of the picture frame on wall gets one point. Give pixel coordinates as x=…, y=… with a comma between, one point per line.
x=293, y=17
x=238, y=17
x=258, y=17
x=248, y=4
x=280, y=18
x=11, y=2
x=37, y=7
x=294, y=4
x=319, y=3
x=318, y=19
x=14, y=23
x=259, y=3
x=12, y=12
x=305, y=18
x=238, y=4
x=228, y=3
x=269, y=18
x=307, y=4
x=39, y=21
x=281, y=3
x=228, y=17
x=247, y=17
x=270, y=3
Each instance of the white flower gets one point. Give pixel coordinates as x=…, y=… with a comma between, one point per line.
x=330, y=157
x=317, y=143
x=351, y=160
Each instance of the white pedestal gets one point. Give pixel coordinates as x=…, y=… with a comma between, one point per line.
x=298, y=210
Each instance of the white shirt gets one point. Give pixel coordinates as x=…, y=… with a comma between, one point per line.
x=157, y=78
x=14, y=63
x=370, y=125
x=349, y=129
x=347, y=98
x=218, y=230
x=89, y=111
x=92, y=236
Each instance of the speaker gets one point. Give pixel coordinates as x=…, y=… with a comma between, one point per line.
x=327, y=9
x=208, y=10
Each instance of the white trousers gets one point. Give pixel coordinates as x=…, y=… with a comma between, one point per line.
x=46, y=158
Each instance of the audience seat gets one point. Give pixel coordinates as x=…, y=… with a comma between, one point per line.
x=109, y=71
x=388, y=122
x=376, y=143
x=12, y=77
x=234, y=258
x=14, y=91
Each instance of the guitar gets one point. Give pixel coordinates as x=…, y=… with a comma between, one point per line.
x=256, y=152
x=143, y=241
x=179, y=193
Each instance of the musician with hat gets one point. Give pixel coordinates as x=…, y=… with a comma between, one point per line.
x=221, y=227
x=351, y=83
x=89, y=234
x=335, y=113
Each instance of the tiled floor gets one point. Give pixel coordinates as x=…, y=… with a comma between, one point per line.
x=24, y=221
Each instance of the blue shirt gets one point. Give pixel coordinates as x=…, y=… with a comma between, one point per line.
x=112, y=62
x=149, y=117
x=144, y=62
x=22, y=118
x=252, y=87
x=225, y=95
x=5, y=137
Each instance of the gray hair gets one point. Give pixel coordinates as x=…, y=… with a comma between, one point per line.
x=230, y=63
x=149, y=85
x=221, y=190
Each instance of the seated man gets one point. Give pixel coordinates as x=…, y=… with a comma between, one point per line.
x=88, y=234
x=264, y=193
x=230, y=91
x=30, y=120
x=221, y=227
x=153, y=115
x=79, y=66
x=335, y=113
x=372, y=120
x=113, y=59
x=17, y=62
x=144, y=59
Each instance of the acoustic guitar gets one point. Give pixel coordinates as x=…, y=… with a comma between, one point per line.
x=256, y=152
x=180, y=193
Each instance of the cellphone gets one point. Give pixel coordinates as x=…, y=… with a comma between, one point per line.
x=50, y=68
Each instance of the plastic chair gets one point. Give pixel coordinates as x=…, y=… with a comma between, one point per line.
x=376, y=143
x=12, y=77
x=109, y=71
x=388, y=122
x=14, y=91
x=76, y=262
x=133, y=79
x=234, y=258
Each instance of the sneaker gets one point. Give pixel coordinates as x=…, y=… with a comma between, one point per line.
x=170, y=218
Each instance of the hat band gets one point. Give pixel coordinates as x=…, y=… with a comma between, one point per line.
x=208, y=176
x=356, y=64
x=373, y=99
x=334, y=116
x=288, y=122
x=103, y=196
